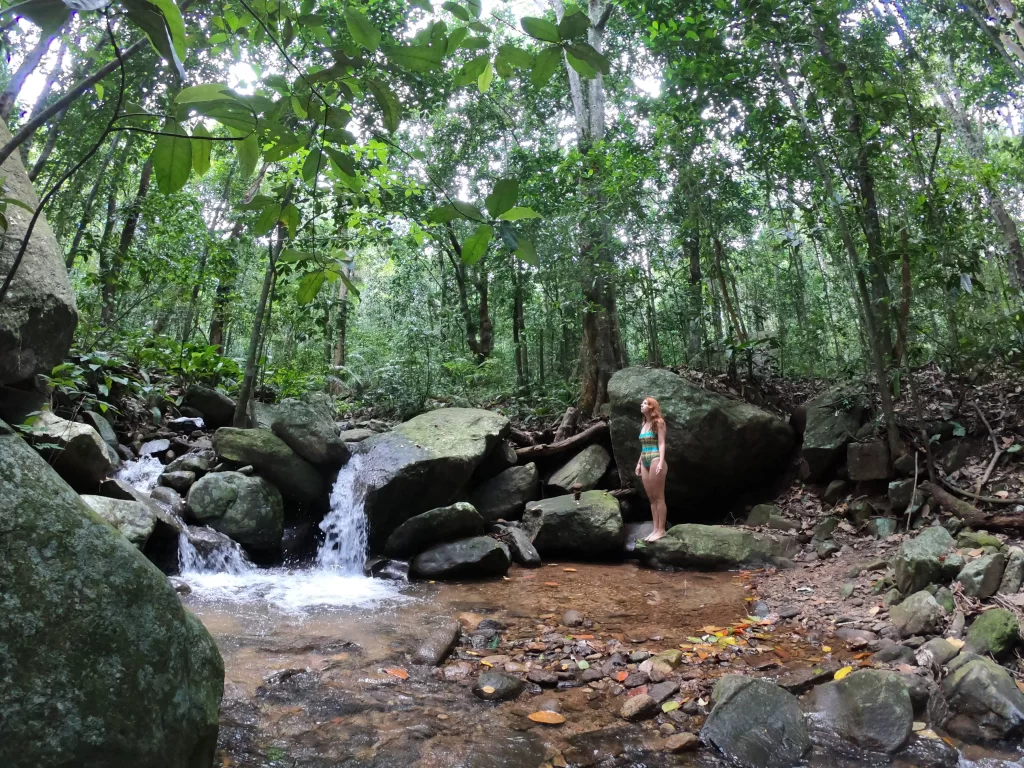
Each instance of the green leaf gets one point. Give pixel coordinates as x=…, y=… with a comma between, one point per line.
x=502, y=197
x=202, y=147
x=49, y=15
x=298, y=108
x=343, y=161
x=515, y=214
x=248, y=150
x=540, y=29
x=362, y=31
x=204, y=93
x=310, y=286
x=588, y=53
x=670, y=706
x=151, y=20
x=476, y=244
x=472, y=70
x=479, y=27
x=455, y=39
x=486, y=77
x=313, y=165
x=582, y=67
x=423, y=4
x=474, y=7
x=290, y=216
x=172, y=158
x=477, y=44
x=545, y=66
x=452, y=211
x=388, y=104
x=582, y=664
x=456, y=10
x=175, y=24
x=573, y=25
x=292, y=256
x=527, y=253
x=267, y=220
x=517, y=57
x=508, y=236
x=229, y=113
x=416, y=58
x=99, y=90
x=692, y=35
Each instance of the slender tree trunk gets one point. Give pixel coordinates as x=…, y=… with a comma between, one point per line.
x=83, y=224
x=225, y=285
x=190, y=315
x=28, y=65
x=341, y=331
x=517, y=330
x=131, y=223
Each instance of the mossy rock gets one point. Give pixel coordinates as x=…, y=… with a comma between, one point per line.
x=273, y=459
x=994, y=632
x=717, y=546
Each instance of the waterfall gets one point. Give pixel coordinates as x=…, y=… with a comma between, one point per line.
x=141, y=474
x=345, y=528
x=225, y=556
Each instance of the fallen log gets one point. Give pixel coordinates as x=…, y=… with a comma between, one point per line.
x=588, y=435
x=569, y=423
x=520, y=438
x=973, y=516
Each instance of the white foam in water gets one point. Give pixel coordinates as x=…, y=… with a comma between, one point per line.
x=345, y=531
x=141, y=474
x=226, y=558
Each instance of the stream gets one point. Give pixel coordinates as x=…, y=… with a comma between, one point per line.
x=317, y=671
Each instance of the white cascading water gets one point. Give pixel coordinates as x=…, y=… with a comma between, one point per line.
x=226, y=558
x=345, y=529
x=141, y=474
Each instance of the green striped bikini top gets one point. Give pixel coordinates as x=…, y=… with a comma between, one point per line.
x=648, y=442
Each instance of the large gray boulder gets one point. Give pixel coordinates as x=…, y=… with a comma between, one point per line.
x=248, y=509
x=588, y=528
x=134, y=520
x=870, y=709
x=756, y=724
x=833, y=419
x=217, y=408
x=436, y=526
x=421, y=464
x=308, y=430
x=273, y=459
x=919, y=614
x=981, y=577
x=980, y=701
x=714, y=546
x=926, y=559
x=101, y=664
x=476, y=557
x=585, y=469
x=75, y=450
x=38, y=314
x=717, y=448
x=504, y=496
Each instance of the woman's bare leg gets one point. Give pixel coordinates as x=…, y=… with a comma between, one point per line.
x=656, y=493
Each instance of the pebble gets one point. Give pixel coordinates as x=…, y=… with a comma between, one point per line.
x=789, y=612
x=681, y=742
x=572, y=618
x=637, y=708
x=636, y=679
x=638, y=656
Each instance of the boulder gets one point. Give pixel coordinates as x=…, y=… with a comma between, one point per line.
x=717, y=448
x=75, y=450
x=438, y=644
x=355, y=435
x=981, y=577
x=586, y=468
x=835, y=491
x=833, y=418
x=756, y=724
x=199, y=463
x=1013, y=574
x=919, y=614
x=882, y=527
x=248, y=509
x=101, y=663
x=309, y=431
x=476, y=557
x=273, y=459
x=458, y=521
x=495, y=685
x=978, y=540
x=868, y=461
x=179, y=481
x=501, y=457
x=938, y=652
x=712, y=546
x=522, y=549
x=504, y=496
x=761, y=514
x=870, y=709
x=924, y=560
x=905, y=495
x=421, y=464
x=38, y=314
x=639, y=707
x=588, y=528
x=217, y=408
x=981, y=701
x=170, y=499
x=995, y=632
x=132, y=519
x=103, y=427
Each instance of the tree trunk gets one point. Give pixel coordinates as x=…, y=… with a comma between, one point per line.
x=131, y=223
x=225, y=284
x=517, y=330
x=28, y=65
x=83, y=224
x=341, y=330
x=241, y=417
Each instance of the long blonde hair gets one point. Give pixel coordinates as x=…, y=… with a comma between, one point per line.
x=655, y=416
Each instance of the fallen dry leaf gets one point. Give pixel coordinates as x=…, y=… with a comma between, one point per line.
x=1020, y=684
x=548, y=718
x=569, y=570
x=550, y=583
x=826, y=649
x=621, y=676
x=398, y=672
x=843, y=673
x=488, y=689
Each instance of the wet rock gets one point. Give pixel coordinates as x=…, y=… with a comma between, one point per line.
x=355, y=435
x=882, y=527
x=103, y=427
x=868, y=461
x=273, y=459
x=717, y=448
x=542, y=677
x=980, y=701
x=978, y=540
x=661, y=692
x=170, y=499
x=436, y=526
x=900, y=499
x=217, y=408
x=504, y=496
x=709, y=546
x=95, y=633
x=981, y=577
x=79, y=454
x=756, y=724
x=179, y=585
x=835, y=491
x=895, y=654
x=476, y=557
x=179, y=481
x=495, y=685
x=681, y=742
x=186, y=425
x=939, y=652
x=918, y=614
x=248, y=509
x=856, y=638
x=379, y=567
x=309, y=430
x=438, y=644
x=1013, y=574
x=520, y=546
x=639, y=707
x=994, y=632
x=923, y=560
x=588, y=528
x=155, y=447
x=197, y=463
x=832, y=420
x=585, y=468
x=422, y=464
x=132, y=519
x=869, y=708
x=920, y=689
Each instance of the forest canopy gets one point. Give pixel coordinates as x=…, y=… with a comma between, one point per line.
x=508, y=201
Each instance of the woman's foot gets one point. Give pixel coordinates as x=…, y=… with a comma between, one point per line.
x=655, y=536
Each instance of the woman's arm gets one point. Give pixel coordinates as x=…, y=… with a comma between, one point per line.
x=661, y=447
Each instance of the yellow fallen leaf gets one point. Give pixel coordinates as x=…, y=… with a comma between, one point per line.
x=548, y=718
x=669, y=706
x=486, y=663
x=826, y=649
x=569, y=570
x=843, y=673
x=488, y=689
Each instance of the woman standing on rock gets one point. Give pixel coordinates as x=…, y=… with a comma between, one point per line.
x=651, y=466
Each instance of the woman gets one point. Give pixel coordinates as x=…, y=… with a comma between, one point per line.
x=651, y=467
